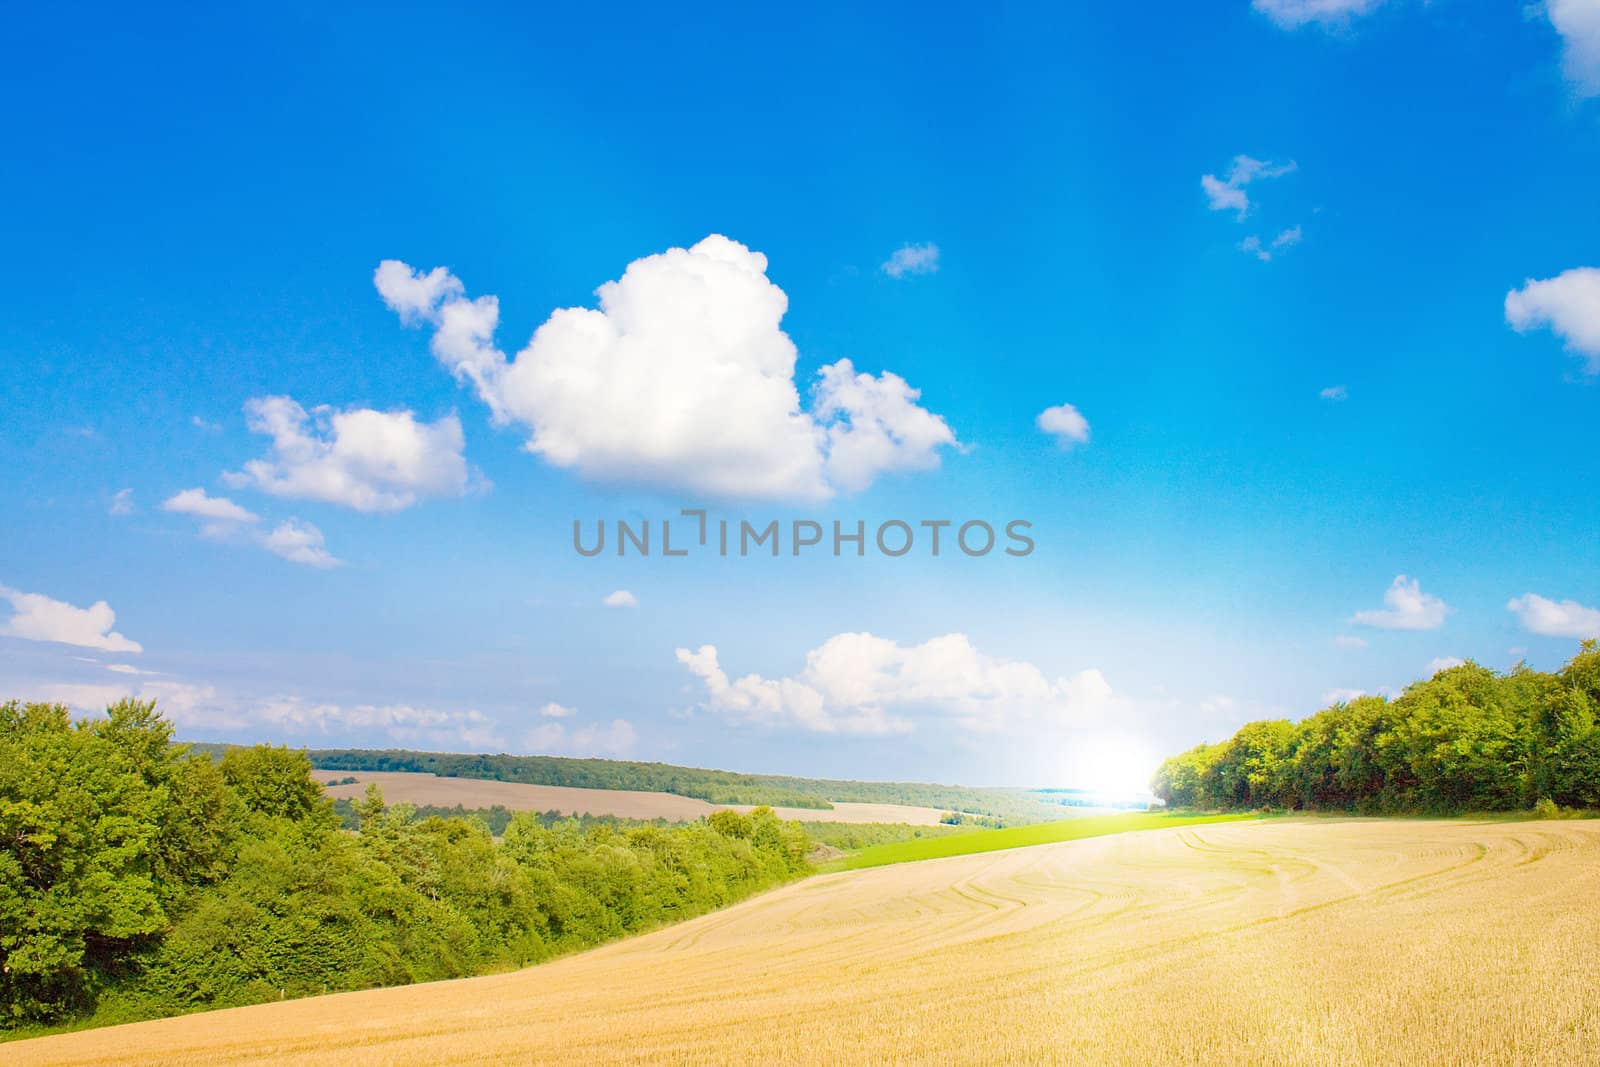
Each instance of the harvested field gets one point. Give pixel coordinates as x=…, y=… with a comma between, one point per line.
x=1314, y=941
x=414, y=788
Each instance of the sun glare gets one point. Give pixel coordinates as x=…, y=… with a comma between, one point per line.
x=1114, y=766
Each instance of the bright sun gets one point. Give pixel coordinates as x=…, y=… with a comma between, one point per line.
x=1113, y=765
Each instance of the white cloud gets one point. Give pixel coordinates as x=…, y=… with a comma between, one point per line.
x=202, y=424
x=620, y=599
x=912, y=259
x=360, y=458
x=1229, y=194
x=183, y=703
x=1555, y=618
x=1224, y=196
x=402, y=722
x=1292, y=14
x=298, y=542
x=1407, y=607
x=682, y=378
x=1569, y=304
x=856, y=683
x=1349, y=641
x=553, y=710
x=615, y=738
x=1441, y=663
x=874, y=426
x=544, y=739
x=223, y=520
x=1264, y=252
x=220, y=509
x=1334, y=393
x=186, y=703
x=1342, y=696
x=81, y=696
x=124, y=668
x=36, y=617
x=121, y=502
x=413, y=295
x=1065, y=423
x=1578, y=22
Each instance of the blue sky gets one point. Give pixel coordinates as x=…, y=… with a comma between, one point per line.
x=197, y=206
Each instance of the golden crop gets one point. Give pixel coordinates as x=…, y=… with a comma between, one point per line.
x=1307, y=941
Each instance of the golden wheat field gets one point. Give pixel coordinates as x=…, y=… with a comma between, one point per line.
x=411, y=787
x=1277, y=942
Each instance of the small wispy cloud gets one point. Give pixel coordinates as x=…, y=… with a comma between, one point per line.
x=620, y=599
x=125, y=668
x=223, y=520
x=1406, y=607
x=1265, y=251
x=1228, y=194
x=1065, y=423
x=1334, y=393
x=912, y=259
x=121, y=503
x=1327, y=14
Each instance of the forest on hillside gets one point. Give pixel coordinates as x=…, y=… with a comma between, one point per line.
x=1466, y=740
x=140, y=879
x=717, y=787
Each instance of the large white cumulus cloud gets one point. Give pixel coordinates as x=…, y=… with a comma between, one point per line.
x=859, y=683
x=683, y=378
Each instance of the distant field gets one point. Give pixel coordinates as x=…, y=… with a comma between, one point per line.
x=416, y=788
x=1011, y=806
x=1020, y=836
x=1307, y=941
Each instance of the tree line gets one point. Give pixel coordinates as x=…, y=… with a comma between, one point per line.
x=1009, y=806
x=1466, y=740
x=140, y=879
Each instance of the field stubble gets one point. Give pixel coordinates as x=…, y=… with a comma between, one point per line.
x=1286, y=941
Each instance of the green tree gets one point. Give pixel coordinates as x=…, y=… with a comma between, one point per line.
x=105, y=828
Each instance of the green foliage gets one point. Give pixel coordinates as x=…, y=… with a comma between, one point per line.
x=498, y=817
x=855, y=836
x=1466, y=739
x=272, y=781
x=106, y=829
x=984, y=822
x=138, y=881
x=731, y=824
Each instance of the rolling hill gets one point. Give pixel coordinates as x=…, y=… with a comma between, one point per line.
x=1312, y=941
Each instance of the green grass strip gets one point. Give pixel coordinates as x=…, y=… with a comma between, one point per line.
x=1018, y=837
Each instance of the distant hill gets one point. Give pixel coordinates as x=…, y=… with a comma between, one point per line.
x=1011, y=806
